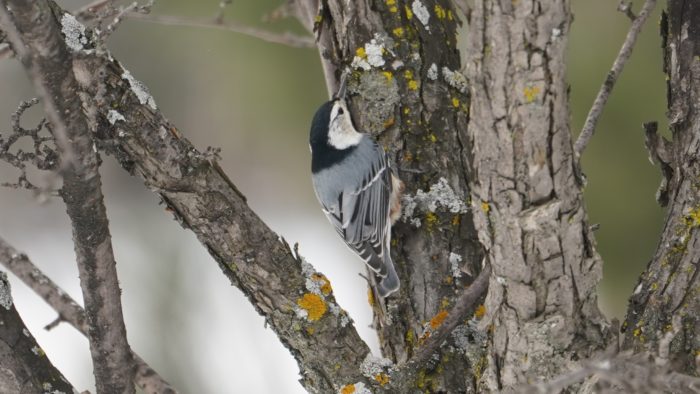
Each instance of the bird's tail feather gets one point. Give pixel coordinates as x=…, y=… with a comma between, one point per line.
x=390, y=283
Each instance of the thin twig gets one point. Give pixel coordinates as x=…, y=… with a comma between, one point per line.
x=219, y=19
x=287, y=38
x=69, y=311
x=606, y=88
x=626, y=8
x=463, y=306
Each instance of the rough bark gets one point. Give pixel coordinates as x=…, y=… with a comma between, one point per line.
x=36, y=34
x=663, y=317
x=542, y=299
x=69, y=311
x=296, y=301
x=486, y=155
x=24, y=367
x=502, y=143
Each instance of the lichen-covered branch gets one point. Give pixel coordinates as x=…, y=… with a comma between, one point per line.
x=37, y=37
x=25, y=368
x=296, y=301
x=670, y=287
x=69, y=311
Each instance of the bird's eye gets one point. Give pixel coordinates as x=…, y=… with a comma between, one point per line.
x=340, y=111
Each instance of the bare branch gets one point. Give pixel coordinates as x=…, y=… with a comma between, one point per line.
x=35, y=33
x=626, y=8
x=69, y=311
x=618, y=65
x=288, y=39
x=633, y=373
x=25, y=367
x=297, y=302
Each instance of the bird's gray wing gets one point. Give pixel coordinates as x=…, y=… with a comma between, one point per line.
x=364, y=211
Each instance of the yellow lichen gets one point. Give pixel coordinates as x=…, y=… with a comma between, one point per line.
x=456, y=219
x=410, y=337
x=449, y=15
x=360, y=52
x=318, y=18
x=692, y=219
x=398, y=32
x=388, y=75
x=406, y=110
x=430, y=219
x=637, y=332
x=413, y=85
x=325, y=285
x=393, y=9
x=438, y=319
x=440, y=12
x=314, y=306
x=408, y=74
x=348, y=389
x=310, y=330
x=531, y=93
x=432, y=137
x=455, y=102
x=485, y=206
x=370, y=297
x=381, y=378
x=480, y=311
x=444, y=303
x=409, y=13
x=390, y=2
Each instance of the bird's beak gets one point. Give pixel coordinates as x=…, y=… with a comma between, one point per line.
x=343, y=86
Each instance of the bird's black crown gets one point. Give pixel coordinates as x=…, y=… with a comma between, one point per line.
x=323, y=155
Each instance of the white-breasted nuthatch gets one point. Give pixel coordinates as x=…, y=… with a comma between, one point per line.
x=356, y=187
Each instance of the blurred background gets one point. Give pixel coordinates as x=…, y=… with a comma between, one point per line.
x=255, y=101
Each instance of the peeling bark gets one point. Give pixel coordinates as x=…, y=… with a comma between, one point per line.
x=663, y=318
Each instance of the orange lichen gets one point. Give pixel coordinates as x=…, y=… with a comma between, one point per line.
x=389, y=122
x=348, y=389
x=381, y=378
x=485, y=207
x=326, y=284
x=438, y=319
x=314, y=306
x=480, y=311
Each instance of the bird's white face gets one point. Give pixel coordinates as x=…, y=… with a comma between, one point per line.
x=341, y=132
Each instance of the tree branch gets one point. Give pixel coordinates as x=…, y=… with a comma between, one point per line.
x=297, y=301
x=25, y=367
x=69, y=311
x=617, y=67
x=287, y=38
x=36, y=35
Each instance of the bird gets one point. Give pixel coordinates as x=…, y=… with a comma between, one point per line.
x=356, y=186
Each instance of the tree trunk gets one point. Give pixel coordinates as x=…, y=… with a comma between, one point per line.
x=487, y=160
x=664, y=312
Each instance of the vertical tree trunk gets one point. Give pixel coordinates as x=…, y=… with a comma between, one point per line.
x=487, y=159
x=664, y=312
